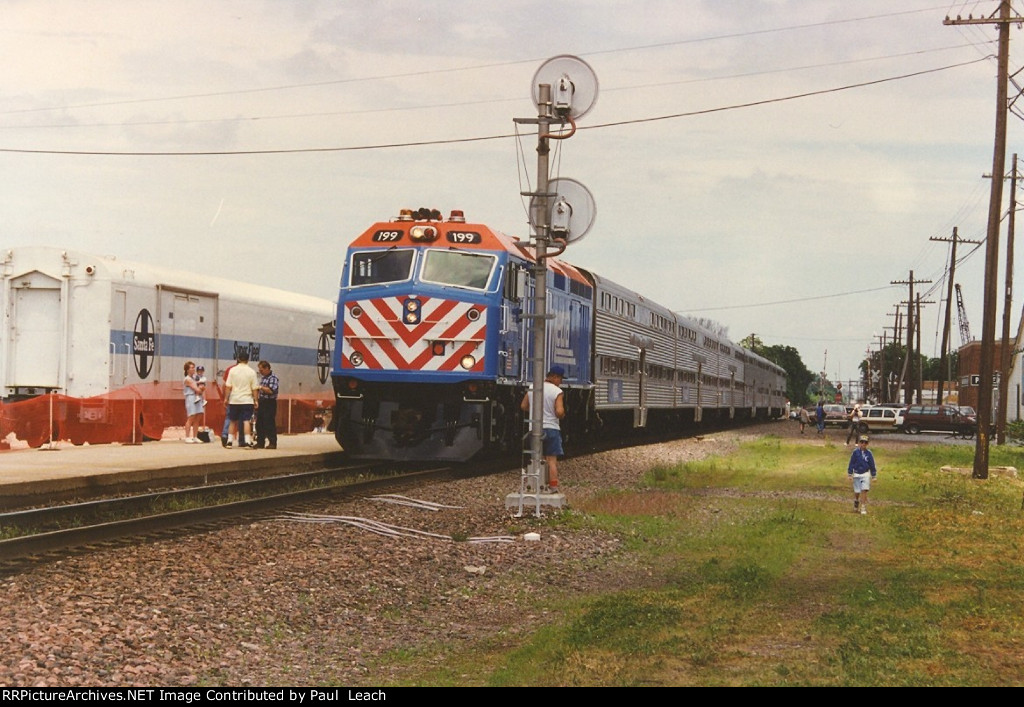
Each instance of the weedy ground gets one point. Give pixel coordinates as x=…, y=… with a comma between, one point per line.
x=752, y=569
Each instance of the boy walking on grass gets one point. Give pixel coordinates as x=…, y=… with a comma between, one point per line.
x=861, y=471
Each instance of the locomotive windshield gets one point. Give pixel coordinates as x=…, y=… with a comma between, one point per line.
x=376, y=267
x=453, y=267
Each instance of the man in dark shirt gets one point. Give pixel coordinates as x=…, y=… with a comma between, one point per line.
x=266, y=413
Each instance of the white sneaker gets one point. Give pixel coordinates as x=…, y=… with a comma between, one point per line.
x=863, y=511
x=189, y=440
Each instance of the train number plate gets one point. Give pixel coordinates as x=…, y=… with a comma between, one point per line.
x=464, y=237
x=387, y=236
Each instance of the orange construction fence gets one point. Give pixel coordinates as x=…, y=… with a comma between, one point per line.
x=134, y=414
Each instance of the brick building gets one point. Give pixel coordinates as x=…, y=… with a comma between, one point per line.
x=969, y=367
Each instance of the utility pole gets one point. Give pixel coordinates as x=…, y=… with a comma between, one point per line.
x=992, y=233
x=909, y=364
x=881, y=368
x=893, y=347
x=920, y=362
x=945, y=345
x=1007, y=304
x=897, y=340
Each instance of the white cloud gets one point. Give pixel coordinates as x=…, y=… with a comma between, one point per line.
x=826, y=194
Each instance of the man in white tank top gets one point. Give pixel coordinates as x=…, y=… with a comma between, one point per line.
x=554, y=410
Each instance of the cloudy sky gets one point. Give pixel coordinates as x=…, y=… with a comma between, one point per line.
x=253, y=139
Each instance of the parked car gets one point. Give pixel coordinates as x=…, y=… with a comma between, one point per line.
x=877, y=419
x=937, y=418
x=835, y=415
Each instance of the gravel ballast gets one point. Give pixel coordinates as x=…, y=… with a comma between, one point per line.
x=283, y=602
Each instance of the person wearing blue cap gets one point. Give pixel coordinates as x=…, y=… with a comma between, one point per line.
x=554, y=410
x=861, y=471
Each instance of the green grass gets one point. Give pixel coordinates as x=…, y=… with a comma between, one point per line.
x=758, y=573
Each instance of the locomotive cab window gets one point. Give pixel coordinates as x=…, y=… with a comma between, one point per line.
x=458, y=268
x=376, y=267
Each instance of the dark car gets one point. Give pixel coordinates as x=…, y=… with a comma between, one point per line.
x=835, y=415
x=938, y=418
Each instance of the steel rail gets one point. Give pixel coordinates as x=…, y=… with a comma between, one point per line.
x=123, y=505
x=28, y=546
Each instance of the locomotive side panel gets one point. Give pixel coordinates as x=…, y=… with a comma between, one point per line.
x=570, y=304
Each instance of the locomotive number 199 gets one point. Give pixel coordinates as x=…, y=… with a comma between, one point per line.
x=464, y=237
x=387, y=236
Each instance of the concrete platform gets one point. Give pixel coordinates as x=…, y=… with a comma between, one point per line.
x=38, y=476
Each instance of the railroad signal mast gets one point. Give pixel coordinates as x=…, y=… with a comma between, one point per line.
x=561, y=210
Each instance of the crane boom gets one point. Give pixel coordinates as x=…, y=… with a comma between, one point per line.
x=965, y=326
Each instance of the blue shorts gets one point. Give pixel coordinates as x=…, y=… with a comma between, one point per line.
x=240, y=413
x=553, y=443
x=193, y=406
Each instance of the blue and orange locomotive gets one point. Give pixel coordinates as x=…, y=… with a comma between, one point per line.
x=431, y=358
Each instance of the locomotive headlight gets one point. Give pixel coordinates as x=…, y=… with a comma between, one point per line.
x=356, y=359
x=412, y=311
x=467, y=361
x=356, y=311
x=423, y=234
x=473, y=314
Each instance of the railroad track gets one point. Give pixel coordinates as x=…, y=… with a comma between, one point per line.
x=45, y=534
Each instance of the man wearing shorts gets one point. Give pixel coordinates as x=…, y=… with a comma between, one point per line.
x=554, y=410
x=861, y=471
x=240, y=392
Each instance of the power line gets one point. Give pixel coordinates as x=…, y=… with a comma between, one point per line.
x=464, y=104
x=483, y=138
x=767, y=101
x=475, y=67
x=788, y=301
